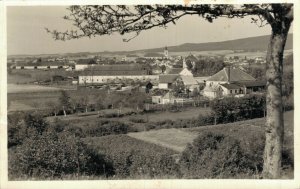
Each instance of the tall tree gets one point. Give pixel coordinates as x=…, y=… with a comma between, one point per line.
x=104, y=20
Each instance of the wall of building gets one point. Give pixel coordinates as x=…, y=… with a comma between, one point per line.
x=80, y=66
x=163, y=86
x=186, y=72
x=210, y=94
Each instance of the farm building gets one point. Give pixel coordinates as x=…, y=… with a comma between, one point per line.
x=165, y=81
x=42, y=65
x=231, y=81
x=116, y=73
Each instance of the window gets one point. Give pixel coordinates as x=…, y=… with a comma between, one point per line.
x=236, y=91
x=230, y=91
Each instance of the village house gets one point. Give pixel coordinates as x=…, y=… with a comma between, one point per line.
x=231, y=81
x=165, y=81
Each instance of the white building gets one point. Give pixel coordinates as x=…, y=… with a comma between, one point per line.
x=231, y=81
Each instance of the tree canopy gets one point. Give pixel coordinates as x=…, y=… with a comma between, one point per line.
x=93, y=20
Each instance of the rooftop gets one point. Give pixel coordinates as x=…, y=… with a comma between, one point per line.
x=175, y=71
x=231, y=86
x=189, y=80
x=231, y=74
x=168, y=78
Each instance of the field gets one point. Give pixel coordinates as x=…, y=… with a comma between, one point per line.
x=31, y=100
x=123, y=143
x=174, y=139
x=245, y=131
x=134, y=159
x=13, y=88
x=19, y=78
x=92, y=118
x=29, y=97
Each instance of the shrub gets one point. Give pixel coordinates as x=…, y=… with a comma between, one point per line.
x=16, y=133
x=22, y=126
x=232, y=109
x=132, y=158
x=112, y=115
x=214, y=156
x=36, y=122
x=51, y=156
x=137, y=120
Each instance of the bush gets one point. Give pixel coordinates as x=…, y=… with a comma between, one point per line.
x=214, y=156
x=22, y=126
x=231, y=109
x=101, y=128
x=16, y=133
x=111, y=115
x=137, y=120
x=132, y=158
x=51, y=156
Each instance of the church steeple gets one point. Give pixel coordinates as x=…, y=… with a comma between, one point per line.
x=184, y=63
x=166, y=52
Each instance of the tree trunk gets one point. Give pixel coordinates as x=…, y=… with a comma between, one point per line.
x=274, y=121
x=65, y=114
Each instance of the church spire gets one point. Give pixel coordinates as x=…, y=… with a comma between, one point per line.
x=166, y=52
x=184, y=63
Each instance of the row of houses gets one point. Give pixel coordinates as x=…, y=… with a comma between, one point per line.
x=230, y=81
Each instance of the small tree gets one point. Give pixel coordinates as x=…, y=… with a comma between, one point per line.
x=163, y=68
x=53, y=106
x=178, y=87
x=35, y=123
x=65, y=102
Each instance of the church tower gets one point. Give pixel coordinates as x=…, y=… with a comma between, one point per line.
x=184, y=63
x=166, y=52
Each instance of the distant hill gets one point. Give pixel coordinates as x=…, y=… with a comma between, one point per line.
x=259, y=43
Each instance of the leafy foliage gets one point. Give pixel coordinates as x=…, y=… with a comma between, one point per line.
x=135, y=159
x=214, y=156
x=207, y=67
x=93, y=20
x=232, y=109
x=54, y=156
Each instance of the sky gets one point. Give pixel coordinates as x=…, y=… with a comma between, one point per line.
x=26, y=32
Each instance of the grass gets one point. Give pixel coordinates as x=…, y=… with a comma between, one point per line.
x=31, y=101
x=19, y=78
x=92, y=118
x=14, y=88
x=122, y=142
x=245, y=131
x=189, y=113
x=177, y=141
